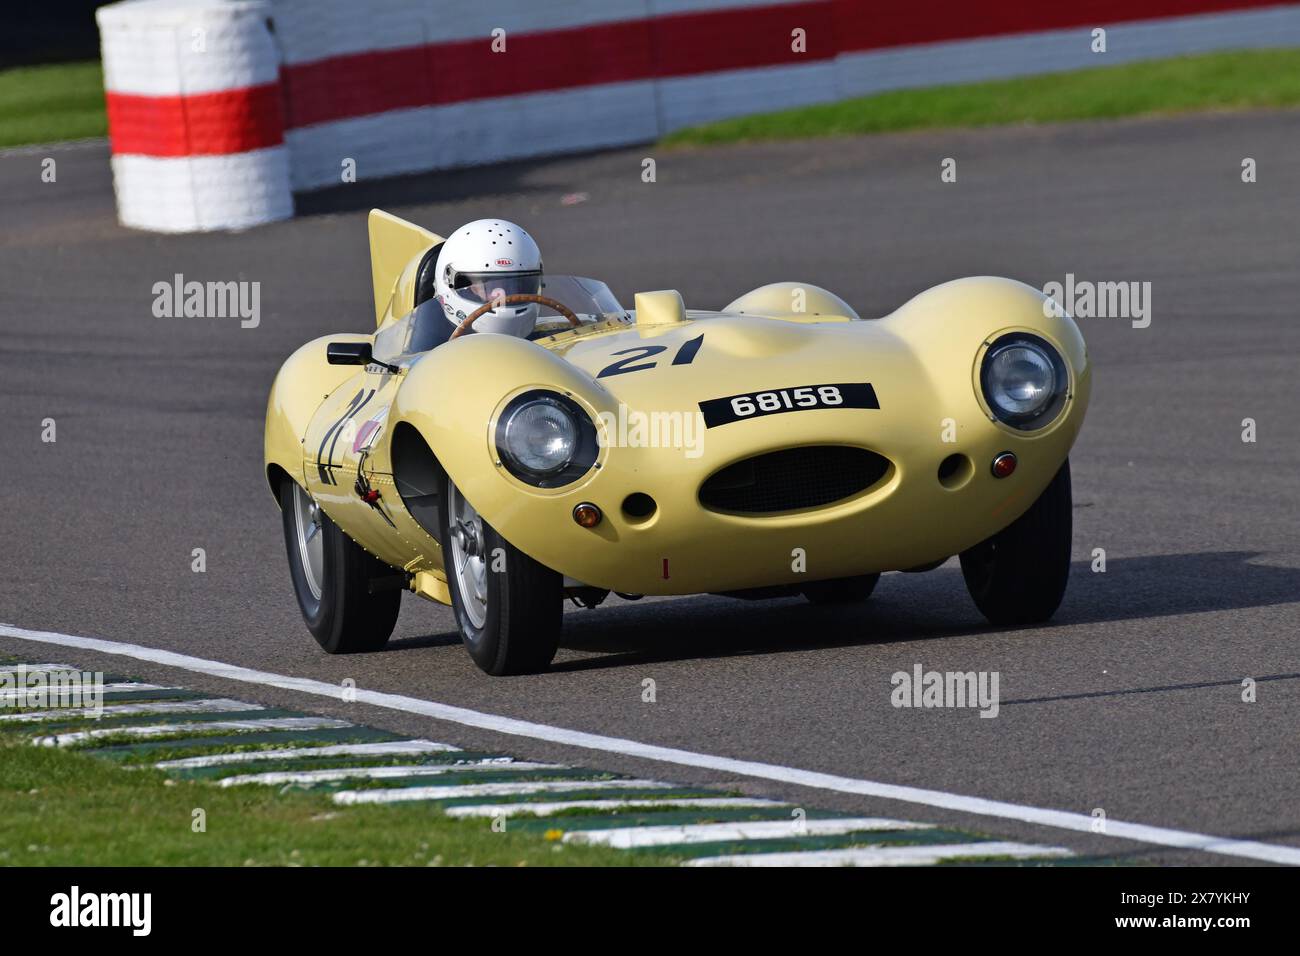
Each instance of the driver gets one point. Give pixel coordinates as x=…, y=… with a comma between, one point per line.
x=484, y=261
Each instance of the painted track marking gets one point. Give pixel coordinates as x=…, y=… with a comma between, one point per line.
x=885, y=855
x=456, y=792
x=164, y=730
x=979, y=806
x=216, y=705
x=309, y=777
x=628, y=838
x=541, y=809
x=380, y=749
x=18, y=696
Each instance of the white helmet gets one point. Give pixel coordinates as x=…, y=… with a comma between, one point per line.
x=485, y=259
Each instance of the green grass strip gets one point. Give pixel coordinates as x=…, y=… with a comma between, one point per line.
x=47, y=104
x=62, y=808
x=1251, y=79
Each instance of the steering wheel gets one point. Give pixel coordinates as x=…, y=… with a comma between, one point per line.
x=516, y=299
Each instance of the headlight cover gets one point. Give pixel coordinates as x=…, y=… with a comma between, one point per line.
x=1025, y=381
x=546, y=439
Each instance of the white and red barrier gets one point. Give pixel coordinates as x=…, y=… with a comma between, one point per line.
x=293, y=95
x=194, y=114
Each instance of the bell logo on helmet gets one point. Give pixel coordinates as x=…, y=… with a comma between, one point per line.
x=505, y=262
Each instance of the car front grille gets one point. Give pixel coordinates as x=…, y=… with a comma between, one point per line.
x=792, y=479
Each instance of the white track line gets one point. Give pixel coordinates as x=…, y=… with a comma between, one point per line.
x=215, y=705
x=377, y=773
x=380, y=749
x=10, y=697
x=626, y=838
x=887, y=855
x=456, y=792
x=162, y=730
x=541, y=809
x=12, y=670
x=1061, y=819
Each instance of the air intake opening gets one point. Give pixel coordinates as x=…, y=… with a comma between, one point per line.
x=639, y=506
x=955, y=471
x=793, y=479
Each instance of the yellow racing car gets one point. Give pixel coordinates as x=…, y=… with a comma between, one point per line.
x=506, y=439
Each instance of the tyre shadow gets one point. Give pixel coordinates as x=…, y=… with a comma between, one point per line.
x=913, y=607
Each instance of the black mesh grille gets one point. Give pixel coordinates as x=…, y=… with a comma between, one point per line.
x=792, y=479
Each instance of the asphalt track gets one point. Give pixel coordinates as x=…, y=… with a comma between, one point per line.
x=1130, y=701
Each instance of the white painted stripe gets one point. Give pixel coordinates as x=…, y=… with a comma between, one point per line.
x=380, y=749
x=377, y=773
x=626, y=838
x=864, y=72
x=887, y=855
x=541, y=809
x=506, y=127
x=12, y=670
x=403, y=794
x=980, y=806
x=215, y=705
x=17, y=696
x=162, y=730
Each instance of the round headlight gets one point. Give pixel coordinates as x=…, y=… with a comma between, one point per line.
x=540, y=437
x=545, y=439
x=1024, y=381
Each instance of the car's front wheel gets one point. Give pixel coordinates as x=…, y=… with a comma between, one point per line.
x=1018, y=576
x=509, y=608
x=333, y=577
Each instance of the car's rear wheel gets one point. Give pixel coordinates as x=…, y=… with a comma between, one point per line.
x=333, y=576
x=841, y=590
x=1018, y=576
x=509, y=608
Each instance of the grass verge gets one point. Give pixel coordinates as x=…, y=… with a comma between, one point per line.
x=1218, y=81
x=48, y=104
x=61, y=808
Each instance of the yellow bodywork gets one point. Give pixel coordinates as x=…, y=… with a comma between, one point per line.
x=922, y=361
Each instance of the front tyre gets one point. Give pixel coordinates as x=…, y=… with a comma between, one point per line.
x=332, y=576
x=509, y=608
x=1018, y=576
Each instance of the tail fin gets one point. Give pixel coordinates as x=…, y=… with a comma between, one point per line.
x=393, y=244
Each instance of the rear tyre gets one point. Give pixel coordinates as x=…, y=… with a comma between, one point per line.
x=1018, y=576
x=331, y=576
x=852, y=590
x=510, y=609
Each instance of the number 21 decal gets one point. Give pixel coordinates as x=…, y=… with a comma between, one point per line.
x=684, y=356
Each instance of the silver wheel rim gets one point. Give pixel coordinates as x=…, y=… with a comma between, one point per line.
x=469, y=558
x=311, y=542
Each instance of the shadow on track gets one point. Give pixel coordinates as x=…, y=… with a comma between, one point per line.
x=524, y=177
x=920, y=607
x=905, y=607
